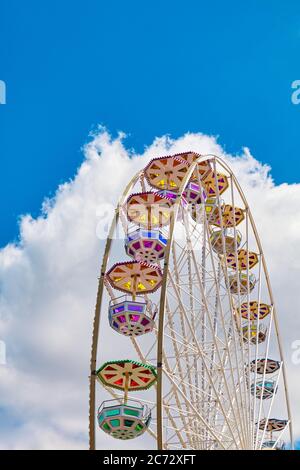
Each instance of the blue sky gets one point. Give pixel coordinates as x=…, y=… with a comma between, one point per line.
x=146, y=68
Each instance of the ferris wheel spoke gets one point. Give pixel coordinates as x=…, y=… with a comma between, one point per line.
x=180, y=372
x=225, y=331
x=240, y=409
x=229, y=395
x=189, y=405
x=197, y=345
x=175, y=346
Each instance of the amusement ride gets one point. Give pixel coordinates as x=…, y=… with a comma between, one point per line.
x=186, y=350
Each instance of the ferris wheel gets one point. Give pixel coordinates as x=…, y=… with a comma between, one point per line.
x=186, y=352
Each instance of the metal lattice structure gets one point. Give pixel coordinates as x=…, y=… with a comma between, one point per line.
x=198, y=312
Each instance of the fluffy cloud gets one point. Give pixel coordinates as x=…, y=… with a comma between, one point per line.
x=48, y=285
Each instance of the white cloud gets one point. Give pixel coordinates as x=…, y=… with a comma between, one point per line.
x=48, y=285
